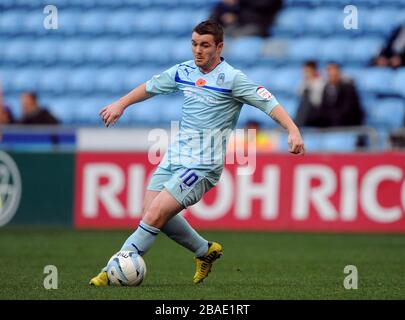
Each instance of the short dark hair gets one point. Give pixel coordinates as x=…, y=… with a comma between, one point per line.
x=334, y=64
x=210, y=27
x=311, y=64
x=32, y=95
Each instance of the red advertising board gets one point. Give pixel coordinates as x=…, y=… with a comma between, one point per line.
x=318, y=192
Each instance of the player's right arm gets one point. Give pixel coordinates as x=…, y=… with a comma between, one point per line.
x=111, y=113
x=163, y=83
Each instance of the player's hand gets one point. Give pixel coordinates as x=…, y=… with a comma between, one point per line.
x=111, y=113
x=296, y=143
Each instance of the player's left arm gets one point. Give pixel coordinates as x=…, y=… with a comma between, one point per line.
x=246, y=91
x=295, y=141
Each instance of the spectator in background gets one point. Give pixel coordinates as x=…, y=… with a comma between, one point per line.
x=246, y=17
x=257, y=16
x=309, y=112
x=227, y=14
x=6, y=116
x=340, y=102
x=33, y=113
x=393, y=53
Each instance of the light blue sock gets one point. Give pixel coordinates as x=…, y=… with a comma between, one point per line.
x=179, y=230
x=142, y=239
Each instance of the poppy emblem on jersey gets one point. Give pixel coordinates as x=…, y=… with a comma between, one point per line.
x=264, y=93
x=200, y=82
x=221, y=79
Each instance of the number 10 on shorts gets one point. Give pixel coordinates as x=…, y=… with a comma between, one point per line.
x=189, y=177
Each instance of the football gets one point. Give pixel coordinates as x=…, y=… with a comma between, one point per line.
x=126, y=268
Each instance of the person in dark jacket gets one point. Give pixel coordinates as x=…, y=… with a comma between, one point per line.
x=33, y=113
x=226, y=13
x=340, y=102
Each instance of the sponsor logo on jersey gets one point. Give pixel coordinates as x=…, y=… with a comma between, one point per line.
x=200, y=82
x=264, y=93
x=221, y=79
x=193, y=93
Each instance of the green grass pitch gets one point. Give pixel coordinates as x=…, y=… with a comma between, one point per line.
x=254, y=266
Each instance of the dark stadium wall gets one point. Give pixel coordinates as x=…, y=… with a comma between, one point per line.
x=46, y=188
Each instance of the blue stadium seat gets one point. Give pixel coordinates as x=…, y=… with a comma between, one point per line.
x=334, y=49
x=53, y=81
x=339, y=141
x=81, y=80
x=148, y=112
x=324, y=21
x=11, y=22
x=290, y=21
x=44, y=52
x=26, y=80
x=178, y=22
x=137, y=76
x=29, y=3
x=111, y=81
x=100, y=51
x=399, y=82
x=87, y=110
x=121, y=22
x=72, y=51
x=382, y=20
x=313, y=142
x=330, y=141
x=386, y=113
x=304, y=49
x=245, y=50
x=148, y=22
x=128, y=51
x=260, y=75
x=6, y=79
x=363, y=50
x=151, y=50
x=285, y=81
x=93, y=22
x=377, y=81
x=181, y=51
x=68, y=21
x=17, y=52
x=33, y=23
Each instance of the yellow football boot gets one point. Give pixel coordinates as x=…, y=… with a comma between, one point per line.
x=204, y=264
x=100, y=280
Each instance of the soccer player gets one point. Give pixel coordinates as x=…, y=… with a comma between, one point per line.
x=214, y=94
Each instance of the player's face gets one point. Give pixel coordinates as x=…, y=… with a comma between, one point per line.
x=333, y=73
x=206, y=52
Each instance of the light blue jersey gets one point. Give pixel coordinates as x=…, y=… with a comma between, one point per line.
x=212, y=104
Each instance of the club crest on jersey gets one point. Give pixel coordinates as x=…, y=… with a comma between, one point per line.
x=264, y=93
x=221, y=79
x=200, y=82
